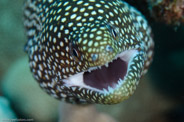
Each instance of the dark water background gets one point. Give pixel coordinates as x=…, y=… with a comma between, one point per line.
x=160, y=95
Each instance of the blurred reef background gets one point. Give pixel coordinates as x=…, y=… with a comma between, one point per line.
x=159, y=96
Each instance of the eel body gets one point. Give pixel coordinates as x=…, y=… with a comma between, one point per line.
x=87, y=51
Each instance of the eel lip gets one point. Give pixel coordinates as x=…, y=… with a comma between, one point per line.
x=105, y=78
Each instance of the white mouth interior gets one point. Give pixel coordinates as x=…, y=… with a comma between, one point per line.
x=105, y=78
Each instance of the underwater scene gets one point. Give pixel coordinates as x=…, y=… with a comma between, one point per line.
x=92, y=60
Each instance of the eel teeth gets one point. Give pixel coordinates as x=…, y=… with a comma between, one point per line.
x=110, y=89
x=119, y=82
x=105, y=90
x=99, y=67
x=107, y=65
x=91, y=69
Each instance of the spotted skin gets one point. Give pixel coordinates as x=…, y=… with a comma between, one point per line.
x=67, y=38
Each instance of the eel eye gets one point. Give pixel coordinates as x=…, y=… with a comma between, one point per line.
x=75, y=53
x=114, y=33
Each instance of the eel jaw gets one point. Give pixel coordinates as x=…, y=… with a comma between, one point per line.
x=105, y=79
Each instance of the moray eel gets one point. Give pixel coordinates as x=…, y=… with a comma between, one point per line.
x=87, y=51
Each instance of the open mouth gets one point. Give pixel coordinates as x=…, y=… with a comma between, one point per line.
x=106, y=77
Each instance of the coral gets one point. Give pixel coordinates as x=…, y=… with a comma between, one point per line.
x=168, y=11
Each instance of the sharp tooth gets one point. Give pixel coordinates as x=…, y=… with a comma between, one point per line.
x=107, y=65
x=110, y=89
x=119, y=82
x=105, y=90
x=92, y=68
